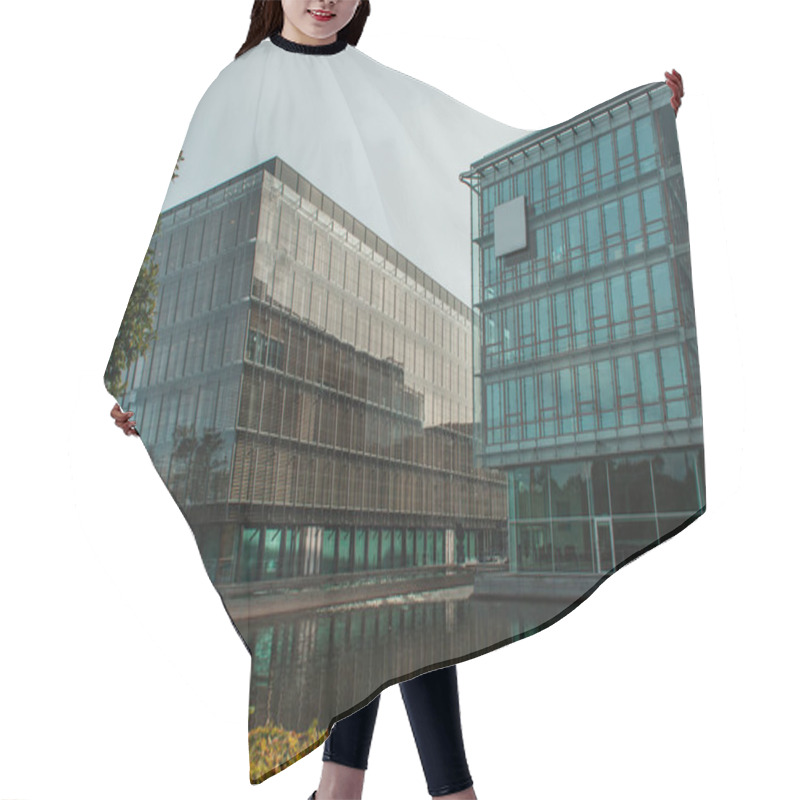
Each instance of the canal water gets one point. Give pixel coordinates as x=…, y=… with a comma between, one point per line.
x=311, y=667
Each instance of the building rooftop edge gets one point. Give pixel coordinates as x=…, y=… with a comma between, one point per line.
x=547, y=133
x=271, y=166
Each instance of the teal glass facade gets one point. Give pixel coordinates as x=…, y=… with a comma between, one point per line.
x=587, y=383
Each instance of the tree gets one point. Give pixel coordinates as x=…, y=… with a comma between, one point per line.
x=136, y=332
x=204, y=477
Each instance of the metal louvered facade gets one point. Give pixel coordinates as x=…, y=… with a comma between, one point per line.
x=308, y=397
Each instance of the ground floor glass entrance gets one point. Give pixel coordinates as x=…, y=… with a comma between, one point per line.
x=592, y=515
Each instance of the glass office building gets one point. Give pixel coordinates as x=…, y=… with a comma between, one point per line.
x=307, y=400
x=587, y=385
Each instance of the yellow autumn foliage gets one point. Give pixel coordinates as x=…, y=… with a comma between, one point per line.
x=273, y=748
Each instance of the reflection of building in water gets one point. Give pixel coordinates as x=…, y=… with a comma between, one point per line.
x=350, y=650
x=307, y=400
x=587, y=386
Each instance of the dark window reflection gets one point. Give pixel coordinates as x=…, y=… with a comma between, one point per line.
x=568, y=491
x=631, y=488
x=675, y=481
x=630, y=537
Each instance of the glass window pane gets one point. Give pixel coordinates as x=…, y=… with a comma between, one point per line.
x=580, y=317
x=640, y=296
x=607, y=164
x=600, y=498
x=606, y=395
x=540, y=494
x=676, y=482
x=627, y=384
x=561, y=309
x=663, y=295
x=630, y=538
x=645, y=144
x=648, y=378
x=611, y=218
x=272, y=552
x=547, y=405
x=521, y=492
x=572, y=546
x=633, y=222
x=526, y=319
x=588, y=170
x=672, y=367
x=619, y=298
x=631, y=489
x=587, y=157
x=568, y=490
x=529, y=406
x=553, y=173
x=574, y=235
x=624, y=142
x=566, y=401
x=599, y=306
x=543, y=328
x=570, y=169
x=556, y=241
x=652, y=204
x=585, y=384
x=592, y=225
